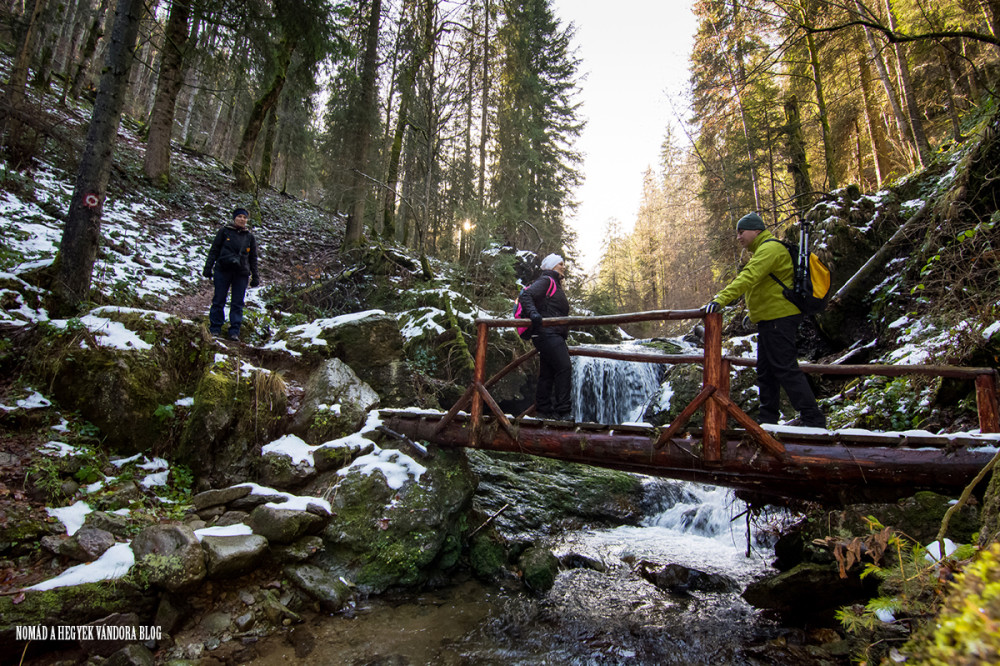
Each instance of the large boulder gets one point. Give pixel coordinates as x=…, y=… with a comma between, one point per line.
x=391, y=531
x=547, y=495
x=22, y=527
x=321, y=585
x=683, y=382
x=283, y=525
x=169, y=556
x=235, y=412
x=69, y=606
x=539, y=568
x=119, y=366
x=335, y=403
x=227, y=556
x=369, y=342
x=810, y=588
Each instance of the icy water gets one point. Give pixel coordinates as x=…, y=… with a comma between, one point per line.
x=600, y=610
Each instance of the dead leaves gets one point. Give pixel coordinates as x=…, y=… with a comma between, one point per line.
x=850, y=553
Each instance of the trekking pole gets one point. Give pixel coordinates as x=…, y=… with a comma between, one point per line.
x=803, y=260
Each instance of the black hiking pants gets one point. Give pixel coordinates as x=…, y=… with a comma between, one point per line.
x=778, y=367
x=552, y=397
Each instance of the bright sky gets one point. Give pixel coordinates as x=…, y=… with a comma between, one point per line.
x=635, y=58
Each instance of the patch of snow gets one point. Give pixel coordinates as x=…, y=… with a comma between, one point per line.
x=239, y=529
x=57, y=449
x=114, y=563
x=71, y=516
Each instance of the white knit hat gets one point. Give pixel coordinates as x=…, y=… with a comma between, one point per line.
x=551, y=261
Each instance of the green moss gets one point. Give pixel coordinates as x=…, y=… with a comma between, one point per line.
x=487, y=555
x=966, y=629
x=78, y=604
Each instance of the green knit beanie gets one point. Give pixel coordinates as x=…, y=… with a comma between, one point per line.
x=750, y=222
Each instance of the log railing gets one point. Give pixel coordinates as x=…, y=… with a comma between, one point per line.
x=714, y=397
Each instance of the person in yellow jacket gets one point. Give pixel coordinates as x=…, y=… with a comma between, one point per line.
x=777, y=321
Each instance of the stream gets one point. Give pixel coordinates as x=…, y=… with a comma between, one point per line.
x=601, y=610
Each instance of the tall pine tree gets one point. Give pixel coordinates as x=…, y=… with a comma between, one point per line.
x=535, y=163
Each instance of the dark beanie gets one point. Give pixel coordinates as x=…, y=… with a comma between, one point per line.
x=243, y=211
x=750, y=222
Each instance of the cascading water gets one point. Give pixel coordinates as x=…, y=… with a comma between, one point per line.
x=610, y=391
x=600, y=610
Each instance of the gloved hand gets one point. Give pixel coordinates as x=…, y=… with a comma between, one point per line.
x=747, y=323
x=255, y=281
x=536, y=323
x=712, y=306
x=207, y=273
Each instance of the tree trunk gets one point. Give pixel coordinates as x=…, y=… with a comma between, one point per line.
x=991, y=10
x=484, y=106
x=407, y=79
x=67, y=59
x=82, y=71
x=70, y=37
x=875, y=134
x=161, y=120
x=910, y=96
x=244, y=154
x=81, y=235
x=821, y=111
x=798, y=166
x=55, y=17
x=16, y=141
x=19, y=71
x=363, y=115
x=953, y=111
x=883, y=73
x=267, y=155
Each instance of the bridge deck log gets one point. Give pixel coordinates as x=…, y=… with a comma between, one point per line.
x=824, y=467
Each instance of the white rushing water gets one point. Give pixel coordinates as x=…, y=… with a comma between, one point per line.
x=607, y=391
x=699, y=525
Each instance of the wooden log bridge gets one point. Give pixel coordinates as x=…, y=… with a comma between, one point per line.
x=801, y=463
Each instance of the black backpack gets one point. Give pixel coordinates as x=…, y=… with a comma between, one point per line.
x=810, y=288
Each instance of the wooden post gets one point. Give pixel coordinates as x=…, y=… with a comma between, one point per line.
x=723, y=391
x=478, y=372
x=715, y=414
x=986, y=403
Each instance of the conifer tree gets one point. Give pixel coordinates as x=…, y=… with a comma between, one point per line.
x=534, y=170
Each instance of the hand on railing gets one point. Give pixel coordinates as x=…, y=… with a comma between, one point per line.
x=711, y=307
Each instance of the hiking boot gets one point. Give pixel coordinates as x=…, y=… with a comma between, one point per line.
x=216, y=334
x=235, y=337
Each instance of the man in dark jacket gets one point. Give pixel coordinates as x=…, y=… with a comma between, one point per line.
x=234, y=257
x=545, y=298
x=777, y=322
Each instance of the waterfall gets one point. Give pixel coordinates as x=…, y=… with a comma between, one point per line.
x=608, y=391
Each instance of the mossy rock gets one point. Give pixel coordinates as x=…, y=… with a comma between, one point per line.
x=809, y=587
x=369, y=342
x=22, y=527
x=72, y=605
x=539, y=568
x=381, y=538
x=918, y=517
x=119, y=390
x=487, y=555
x=335, y=403
x=233, y=416
x=548, y=495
